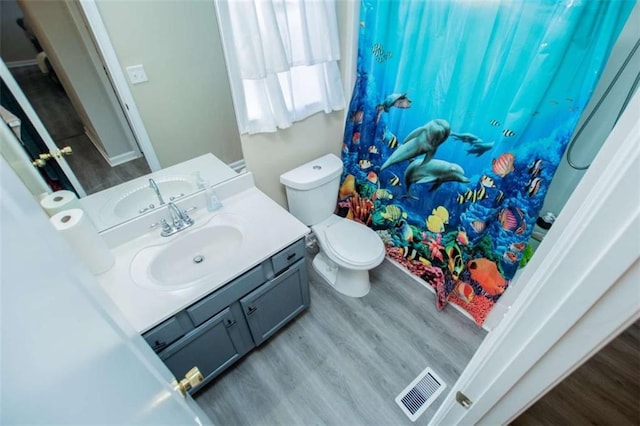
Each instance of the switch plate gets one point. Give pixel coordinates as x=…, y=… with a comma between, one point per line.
x=137, y=74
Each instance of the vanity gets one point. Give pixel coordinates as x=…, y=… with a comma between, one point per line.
x=209, y=294
x=217, y=330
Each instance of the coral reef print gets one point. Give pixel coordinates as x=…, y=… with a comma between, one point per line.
x=457, y=123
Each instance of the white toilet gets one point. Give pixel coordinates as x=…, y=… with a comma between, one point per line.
x=348, y=249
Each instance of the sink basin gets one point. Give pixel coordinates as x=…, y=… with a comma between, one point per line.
x=189, y=258
x=143, y=198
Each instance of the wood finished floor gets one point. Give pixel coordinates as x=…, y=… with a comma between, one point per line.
x=60, y=119
x=603, y=391
x=345, y=360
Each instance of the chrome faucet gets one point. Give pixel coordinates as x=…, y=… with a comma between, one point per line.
x=154, y=186
x=180, y=220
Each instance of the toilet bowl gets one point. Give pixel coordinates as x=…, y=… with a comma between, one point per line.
x=348, y=251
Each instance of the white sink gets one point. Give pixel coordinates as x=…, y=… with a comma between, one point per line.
x=190, y=256
x=144, y=198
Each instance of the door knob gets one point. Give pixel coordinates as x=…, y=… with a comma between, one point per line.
x=192, y=379
x=41, y=161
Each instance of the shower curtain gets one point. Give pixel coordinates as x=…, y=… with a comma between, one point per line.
x=460, y=115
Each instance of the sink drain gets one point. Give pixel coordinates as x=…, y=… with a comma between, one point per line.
x=198, y=259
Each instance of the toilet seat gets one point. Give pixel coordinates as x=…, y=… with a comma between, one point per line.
x=350, y=244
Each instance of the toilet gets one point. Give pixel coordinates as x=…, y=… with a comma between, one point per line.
x=348, y=249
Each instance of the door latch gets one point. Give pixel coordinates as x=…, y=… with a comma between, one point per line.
x=41, y=161
x=192, y=379
x=463, y=400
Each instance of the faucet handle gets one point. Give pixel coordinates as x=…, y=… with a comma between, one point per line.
x=185, y=216
x=165, y=225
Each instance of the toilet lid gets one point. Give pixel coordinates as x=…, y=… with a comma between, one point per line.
x=353, y=241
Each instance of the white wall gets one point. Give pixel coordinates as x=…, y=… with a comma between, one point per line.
x=15, y=47
x=186, y=104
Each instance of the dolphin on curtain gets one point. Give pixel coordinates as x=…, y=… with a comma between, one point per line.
x=423, y=140
x=432, y=171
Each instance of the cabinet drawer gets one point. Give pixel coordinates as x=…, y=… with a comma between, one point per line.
x=220, y=299
x=164, y=334
x=288, y=256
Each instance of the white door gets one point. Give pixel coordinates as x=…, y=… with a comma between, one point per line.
x=15, y=89
x=578, y=291
x=68, y=355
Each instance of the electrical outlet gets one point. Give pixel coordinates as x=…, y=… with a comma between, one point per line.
x=137, y=74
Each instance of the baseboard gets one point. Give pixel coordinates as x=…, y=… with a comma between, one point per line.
x=112, y=161
x=123, y=158
x=18, y=64
x=426, y=285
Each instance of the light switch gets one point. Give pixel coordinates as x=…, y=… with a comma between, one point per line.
x=137, y=74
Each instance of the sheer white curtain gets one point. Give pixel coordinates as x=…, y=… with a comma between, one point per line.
x=282, y=60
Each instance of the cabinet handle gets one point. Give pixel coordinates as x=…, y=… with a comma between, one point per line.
x=229, y=322
x=291, y=256
x=158, y=345
x=251, y=309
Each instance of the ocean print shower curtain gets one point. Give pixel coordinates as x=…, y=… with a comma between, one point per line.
x=460, y=115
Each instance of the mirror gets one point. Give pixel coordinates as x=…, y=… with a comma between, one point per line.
x=185, y=115
x=112, y=206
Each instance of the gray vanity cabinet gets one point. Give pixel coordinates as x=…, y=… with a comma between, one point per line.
x=212, y=347
x=221, y=327
x=276, y=302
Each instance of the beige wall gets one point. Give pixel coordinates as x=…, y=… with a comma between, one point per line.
x=186, y=104
x=14, y=44
x=268, y=155
x=52, y=23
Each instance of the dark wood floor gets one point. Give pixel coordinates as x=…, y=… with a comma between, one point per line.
x=603, y=391
x=60, y=119
x=345, y=360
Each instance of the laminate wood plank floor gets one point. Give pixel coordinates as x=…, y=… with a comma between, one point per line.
x=605, y=390
x=91, y=169
x=61, y=120
x=345, y=360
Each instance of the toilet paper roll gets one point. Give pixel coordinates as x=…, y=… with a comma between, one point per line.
x=58, y=201
x=83, y=237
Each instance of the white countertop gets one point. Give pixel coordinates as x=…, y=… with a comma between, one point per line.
x=267, y=229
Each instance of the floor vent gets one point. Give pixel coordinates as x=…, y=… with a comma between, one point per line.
x=416, y=397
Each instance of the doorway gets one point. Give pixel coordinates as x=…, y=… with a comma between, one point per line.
x=72, y=95
x=60, y=118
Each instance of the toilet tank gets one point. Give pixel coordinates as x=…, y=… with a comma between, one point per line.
x=312, y=189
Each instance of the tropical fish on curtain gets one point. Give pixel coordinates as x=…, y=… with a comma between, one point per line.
x=459, y=118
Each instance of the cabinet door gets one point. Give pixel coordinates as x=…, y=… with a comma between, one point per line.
x=276, y=302
x=212, y=347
